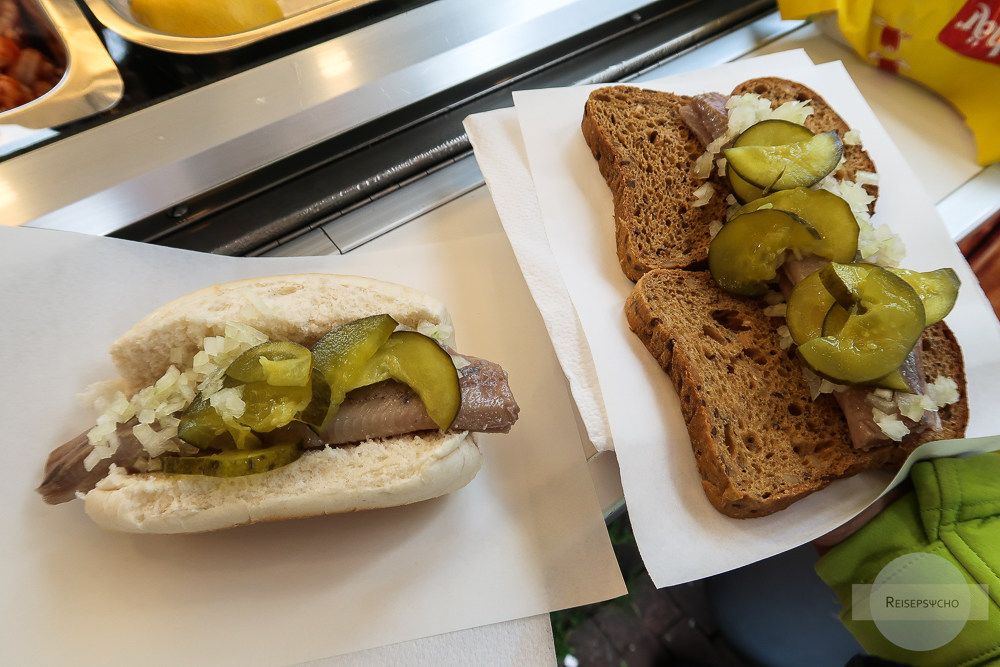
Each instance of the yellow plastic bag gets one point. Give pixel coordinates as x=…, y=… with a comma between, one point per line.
x=950, y=46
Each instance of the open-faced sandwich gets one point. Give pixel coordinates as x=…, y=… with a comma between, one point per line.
x=801, y=352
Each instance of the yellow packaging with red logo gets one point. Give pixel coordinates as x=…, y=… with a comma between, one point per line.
x=950, y=46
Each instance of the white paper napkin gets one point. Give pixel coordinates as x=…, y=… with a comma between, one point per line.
x=525, y=537
x=498, y=136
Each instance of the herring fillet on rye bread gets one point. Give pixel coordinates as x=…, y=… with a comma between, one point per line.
x=646, y=154
x=757, y=456
x=371, y=474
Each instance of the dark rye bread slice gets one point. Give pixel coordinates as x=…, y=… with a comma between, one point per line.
x=646, y=154
x=760, y=442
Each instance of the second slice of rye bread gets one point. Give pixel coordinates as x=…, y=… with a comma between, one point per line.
x=760, y=441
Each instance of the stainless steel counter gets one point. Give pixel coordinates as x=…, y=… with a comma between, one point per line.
x=154, y=158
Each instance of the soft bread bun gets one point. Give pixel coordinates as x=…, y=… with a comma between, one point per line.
x=369, y=475
x=299, y=308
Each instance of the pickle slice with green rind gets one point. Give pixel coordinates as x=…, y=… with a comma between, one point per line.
x=278, y=363
x=234, y=463
x=807, y=307
x=829, y=214
x=845, y=281
x=419, y=362
x=938, y=290
x=773, y=132
x=315, y=414
x=201, y=424
x=834, y=322
x=341, y=354
x=894, y=381
x=885, y=319
x=743, y=191
x=836, y=318
x=765, y=133
x=811, y=314
x=269, y=407
x=786, y=166
x=746, y=253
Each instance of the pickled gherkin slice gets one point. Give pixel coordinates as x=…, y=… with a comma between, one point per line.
x=201, y=424
x=885, y=319
x=419, y=362
x=234, y=463
x=341, y=354
x=938, y=290
x=844, y=281
x=773, y=132
x=269, y=407
x=807, y=308
x=765, y=133
x=834, y=322
x=830, y=215
x=315, y=413
x=746, y=253
x=813, y=311
x=785, y=166
x=743, y=191
x=278, y=363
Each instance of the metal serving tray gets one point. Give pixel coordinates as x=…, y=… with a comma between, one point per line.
x=91, y=82
x=117, y=15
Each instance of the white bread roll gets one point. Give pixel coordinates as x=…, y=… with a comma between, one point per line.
x=300, y=308
x=370, y=475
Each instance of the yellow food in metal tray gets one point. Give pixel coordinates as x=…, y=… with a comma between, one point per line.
x=950, y=46
x=197, y=18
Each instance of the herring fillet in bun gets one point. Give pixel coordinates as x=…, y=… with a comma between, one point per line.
x=384, y=446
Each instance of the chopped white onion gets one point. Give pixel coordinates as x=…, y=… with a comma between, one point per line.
x=913, y=406
x=852, y=138
x=773, y=297
x=786, y=337
x=703, y=194
x=156, y=405
x=777, y=310
x=856, y=197
x=943, y=391
x=879, y=401
x=880, y=245
x=890, y=424
x=703, y=165
x=228, y=402
x=866, y=178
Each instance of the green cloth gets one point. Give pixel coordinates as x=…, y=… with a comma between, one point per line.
x=953, y=511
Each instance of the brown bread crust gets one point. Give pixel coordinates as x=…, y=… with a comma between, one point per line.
x=759, y=441
x=646, y=154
